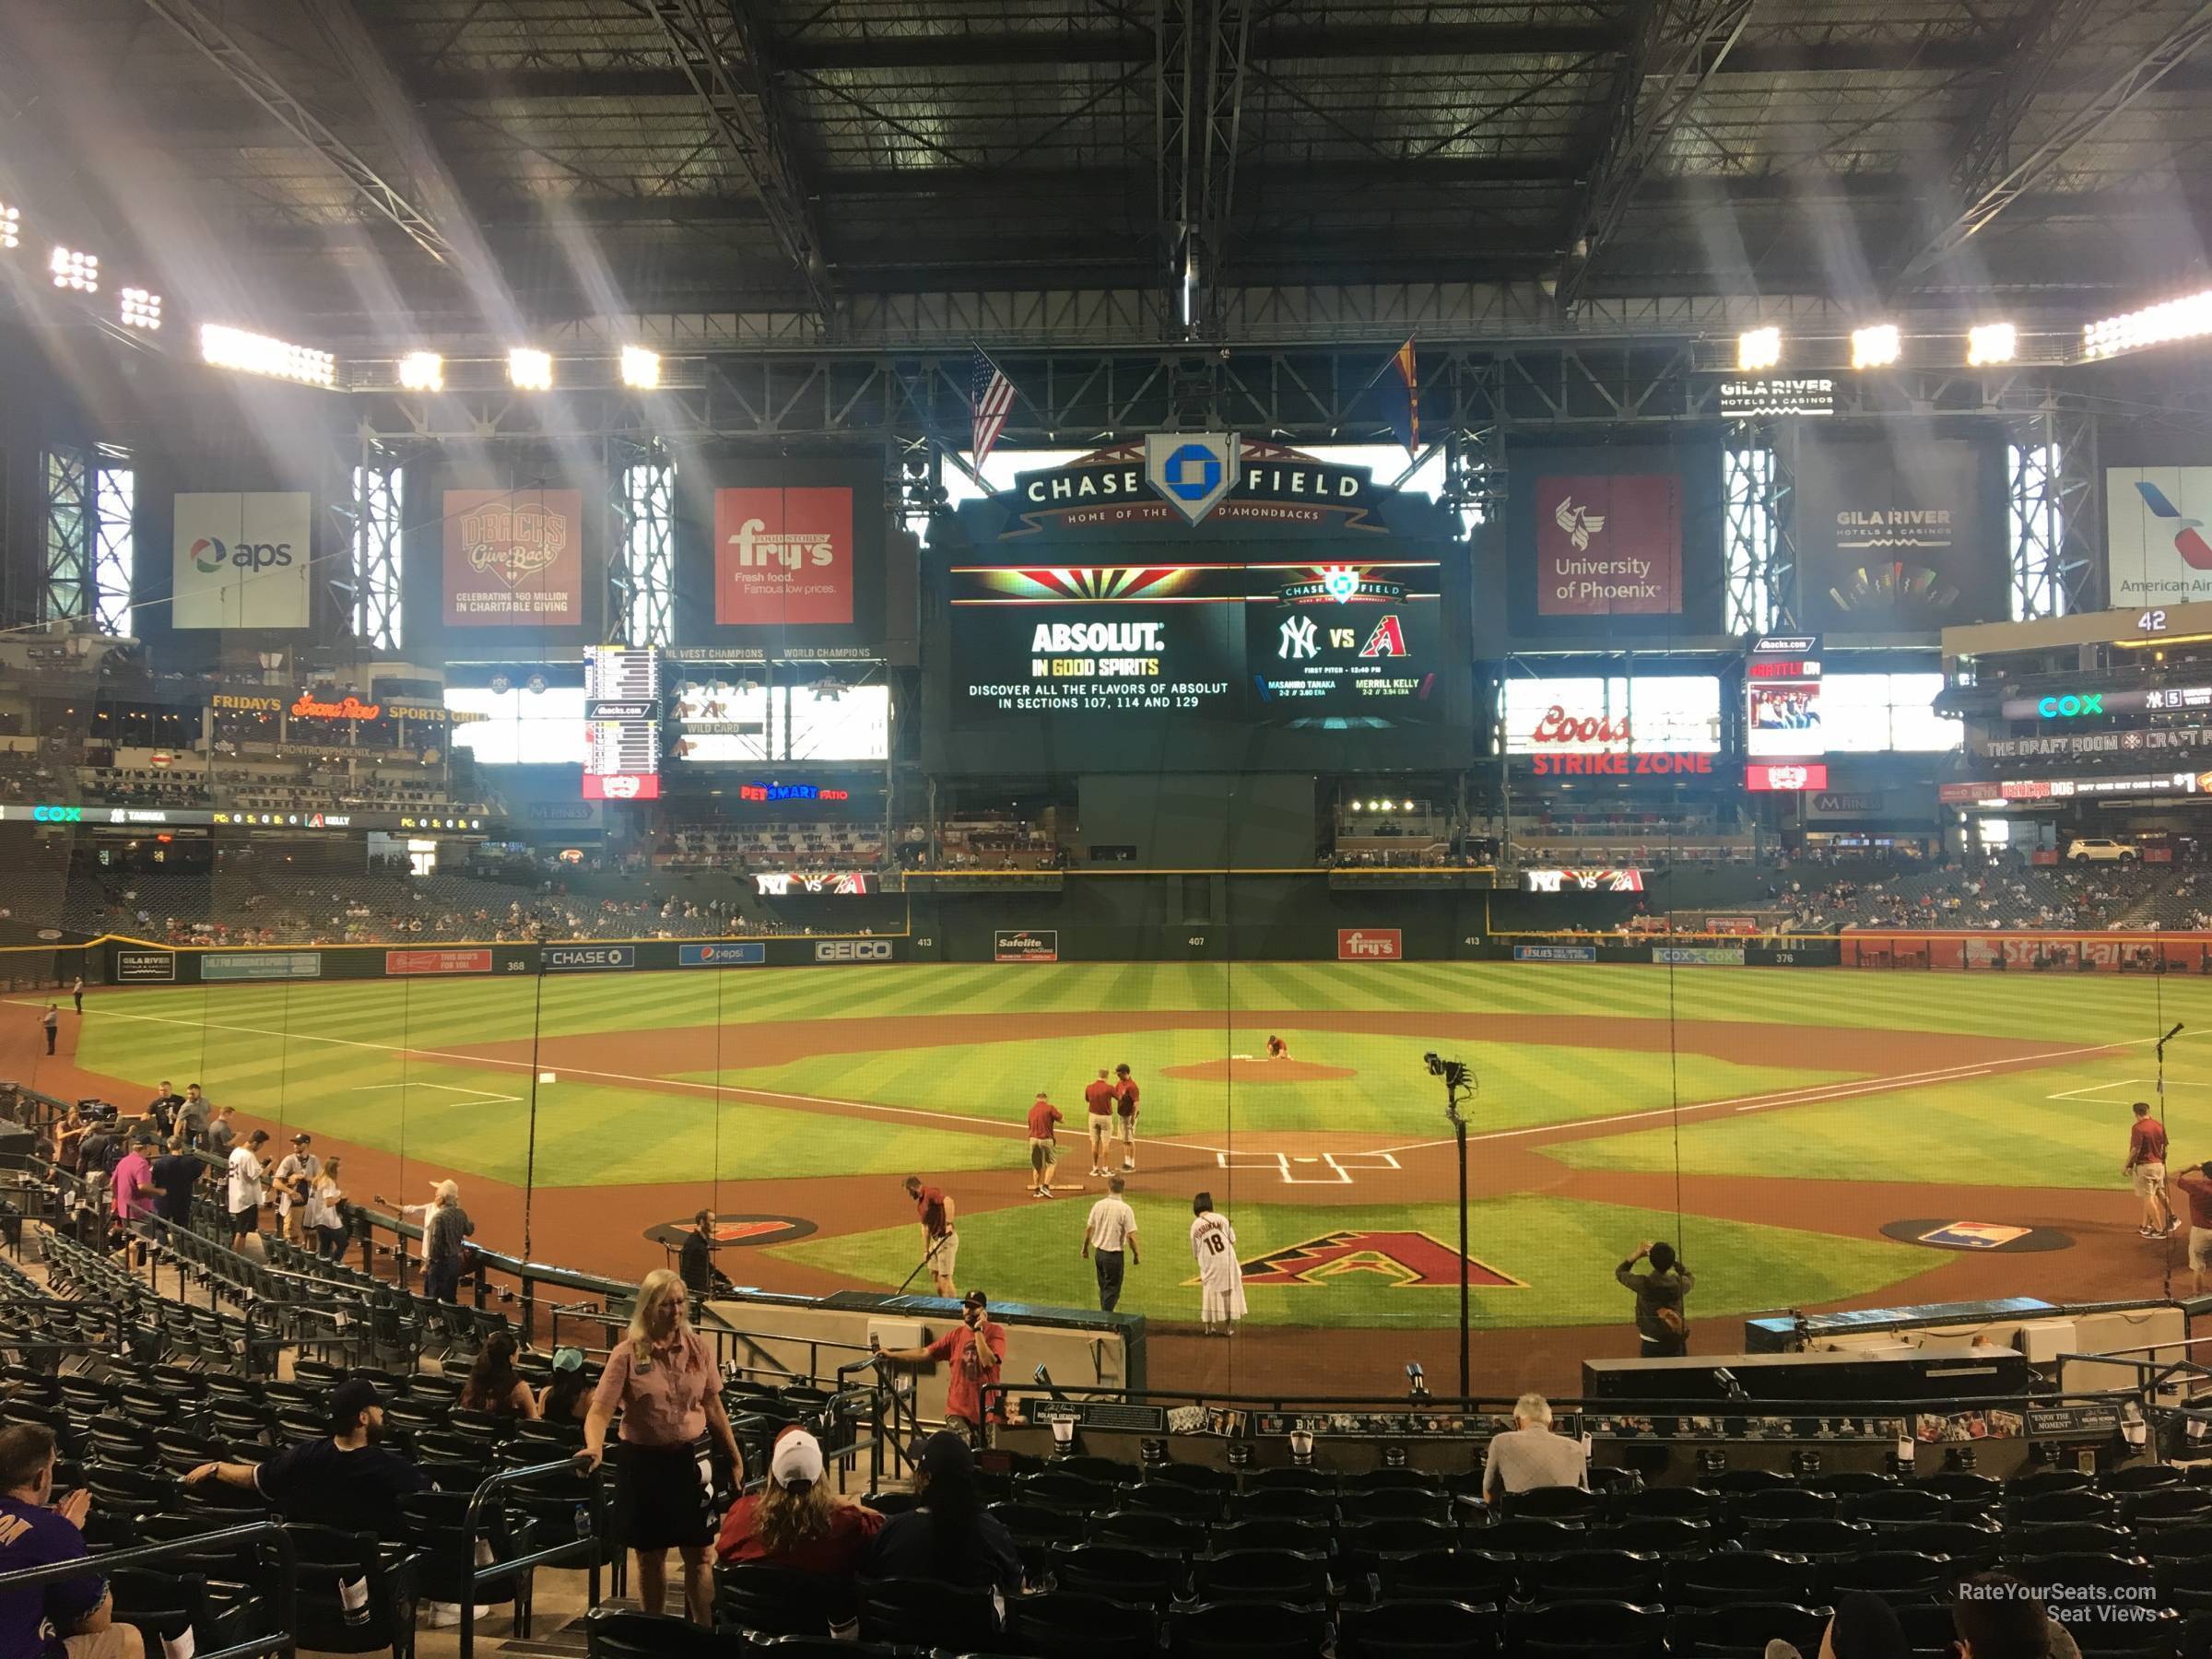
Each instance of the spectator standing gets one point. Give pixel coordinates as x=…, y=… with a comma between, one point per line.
x=221, y=1134
x=2145, y=1166
x=948, y=1535
x=36, y=1531
x=69, y=1140
x=1112, y=1232
x=1660, y=1320
x=973, y=1351
x=295, y=1179
x=135, y=1192
x=1220, y=1275
x=76, y=993
x=52, y=1022
x=568, y=1397
x=661, y=1377
x=176, y=1173
x=196, y=1112
x=345, y=1478
x=494, y=1384
x=102, y=1148
x=445, y=1228
x=794, y=1520
x=1125, y=1116
x=695, y=1262
x=940, y=1241
x=326, y=1213
x=162, y=1108
x=1529, y=1454
x=246, y=1171
x=1098, y=1108
x=1044, y=1154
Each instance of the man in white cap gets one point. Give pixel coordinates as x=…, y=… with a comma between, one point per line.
x=794, y=1520
x=444, y=1225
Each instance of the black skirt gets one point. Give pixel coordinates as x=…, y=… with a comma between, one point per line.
x=663, y=1495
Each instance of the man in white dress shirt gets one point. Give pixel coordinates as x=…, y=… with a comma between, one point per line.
x=1111, y=1231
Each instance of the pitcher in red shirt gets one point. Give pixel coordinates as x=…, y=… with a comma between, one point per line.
x=1044, y=1152
x=2146, y=1164
x=974, y=1354
x=1098, y=1101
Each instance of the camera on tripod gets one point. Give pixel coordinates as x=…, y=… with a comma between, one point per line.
x=1454, y=1072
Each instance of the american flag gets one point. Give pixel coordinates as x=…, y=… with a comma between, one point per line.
x=991, y=400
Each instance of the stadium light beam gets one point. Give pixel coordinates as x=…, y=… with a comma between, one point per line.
x=11, y=227
x=422, y=371
x=1757, y=348
x=140, y=308
x=529, y=369
x=258, y=354
x=640, y=368
x=75, y=270
x=1992, y=343
x=1875, y=347
x=2188, y=318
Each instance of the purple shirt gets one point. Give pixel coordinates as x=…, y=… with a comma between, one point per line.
x=134, y=1187
x=39, y=1538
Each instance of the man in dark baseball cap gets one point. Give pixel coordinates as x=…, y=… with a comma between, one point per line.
x=949, y=1537
x=345, y=1479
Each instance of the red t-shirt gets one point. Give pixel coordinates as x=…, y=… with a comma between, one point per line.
x=2147, y=1142
x=964, y=1388
x=1098, y=1097
x=1042, y=1116
x=929, y=1206
x=838, y=1551
x=1126, y=1096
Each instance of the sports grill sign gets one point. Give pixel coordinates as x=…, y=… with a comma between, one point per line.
x=1025, y=944
x=513, y=559
x=145, y=967
x=1188, y=479
x=1371, y=945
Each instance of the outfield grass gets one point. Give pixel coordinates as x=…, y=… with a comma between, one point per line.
x=1562, y=1250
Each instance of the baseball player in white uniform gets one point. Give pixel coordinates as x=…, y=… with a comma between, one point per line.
x=1220, y=1280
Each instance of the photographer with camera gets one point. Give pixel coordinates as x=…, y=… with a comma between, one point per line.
x=1660, y=1321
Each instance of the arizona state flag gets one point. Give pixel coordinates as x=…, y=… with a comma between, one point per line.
x=1401, y=388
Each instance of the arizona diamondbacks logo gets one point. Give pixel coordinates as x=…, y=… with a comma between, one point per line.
x=1193, y=472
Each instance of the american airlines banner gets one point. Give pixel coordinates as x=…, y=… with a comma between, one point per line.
x=1901, y=535
x=240, y=559
x=2156, y=549
x=1613, y=542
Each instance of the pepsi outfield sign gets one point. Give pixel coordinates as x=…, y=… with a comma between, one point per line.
x=740, y=953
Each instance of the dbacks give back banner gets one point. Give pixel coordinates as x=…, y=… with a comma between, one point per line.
x=2156, y=549
x=240, y=560
x=514, y=557
x=783, y=556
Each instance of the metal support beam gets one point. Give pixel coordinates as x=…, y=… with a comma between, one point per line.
x=189, y=19
x=1679, y=47
x=66, y=591
x=720, y=54
x=1198, y=108
x=2080, y=123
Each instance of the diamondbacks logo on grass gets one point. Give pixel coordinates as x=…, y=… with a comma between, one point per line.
x=1972, y=1235
x=746, y=1230
x=1400, y=1261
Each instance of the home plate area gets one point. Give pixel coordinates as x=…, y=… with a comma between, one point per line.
x=1323, y=1169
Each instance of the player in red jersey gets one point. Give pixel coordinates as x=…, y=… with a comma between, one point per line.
x=1125, y=1116
x=1278, y=1049
x=1098, y=1101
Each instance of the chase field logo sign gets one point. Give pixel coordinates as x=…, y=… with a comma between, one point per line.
x=1193, y=472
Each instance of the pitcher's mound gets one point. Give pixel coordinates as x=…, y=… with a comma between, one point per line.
x=1241, y=1068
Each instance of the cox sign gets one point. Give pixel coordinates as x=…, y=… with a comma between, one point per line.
x=57, y=815
x=2070, y=706
x=853, y=950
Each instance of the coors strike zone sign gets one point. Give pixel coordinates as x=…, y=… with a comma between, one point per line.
x=513, y=559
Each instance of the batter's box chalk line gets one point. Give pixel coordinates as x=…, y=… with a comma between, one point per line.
x=2099, y=1093
x=1326, y=1168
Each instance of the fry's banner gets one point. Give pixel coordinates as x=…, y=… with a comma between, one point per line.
x=783, y=556
x=514, y=557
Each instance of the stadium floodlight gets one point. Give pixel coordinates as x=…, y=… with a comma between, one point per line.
x=529, y=369
x=1991, y=343
x=640, y=368
x=1875, y=347
x=258, y=354
x=2188, y=318
x=1757, y=348
x=11, y=226
x=140, y=309
x=75, y=270
x=422, y=371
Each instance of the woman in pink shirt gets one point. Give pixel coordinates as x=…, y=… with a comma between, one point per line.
x=661, y=1377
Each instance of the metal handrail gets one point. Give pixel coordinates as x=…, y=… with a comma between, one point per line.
x=553, y=1556
x=138, y=1555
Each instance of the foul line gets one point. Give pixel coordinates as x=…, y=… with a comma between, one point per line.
x=481, y=1094
x=579, y=1071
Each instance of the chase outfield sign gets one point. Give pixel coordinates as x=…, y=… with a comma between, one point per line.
x=1192, y=478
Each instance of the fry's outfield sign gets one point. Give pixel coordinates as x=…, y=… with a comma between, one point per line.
x=352, y=707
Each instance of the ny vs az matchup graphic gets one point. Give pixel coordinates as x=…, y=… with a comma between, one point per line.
x=1355, y=644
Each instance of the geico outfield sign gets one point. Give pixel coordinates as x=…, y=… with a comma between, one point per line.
x=853, y=950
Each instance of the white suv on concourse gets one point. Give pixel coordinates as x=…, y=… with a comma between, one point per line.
x=2091, y=849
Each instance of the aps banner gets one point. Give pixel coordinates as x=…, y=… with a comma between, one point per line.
x=239, y=560
x=783, y=556
x=514, y=557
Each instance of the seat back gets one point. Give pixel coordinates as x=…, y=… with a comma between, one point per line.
x=932, y=1614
